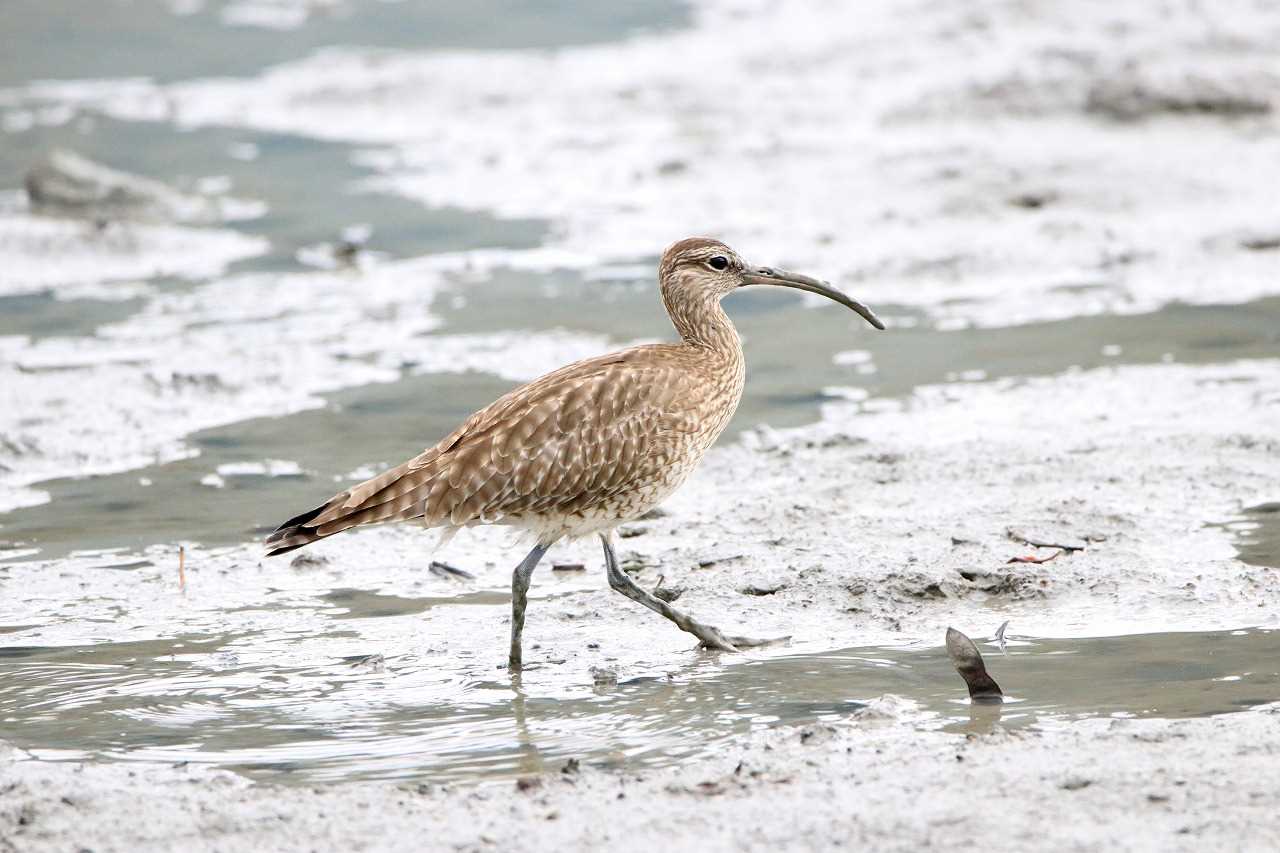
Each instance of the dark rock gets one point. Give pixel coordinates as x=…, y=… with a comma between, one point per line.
x=67, y=184
x=1033, y=200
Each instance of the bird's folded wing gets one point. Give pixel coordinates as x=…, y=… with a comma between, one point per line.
x=565, y=443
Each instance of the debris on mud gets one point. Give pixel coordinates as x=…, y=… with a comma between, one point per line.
x=308, y=560
x=968, y=662
x=1260, y=242
x=915, y=585
x=374, y=663
x=444, y=570
x=1002, y=582
x=710, y=562
x=667, y=593
x=635, y=563
x=1131, y=95
x=1040, y=539
x=65, y=183
x=760, y=586
x=604, y=676
x=1033, y=200
x=1037, y=560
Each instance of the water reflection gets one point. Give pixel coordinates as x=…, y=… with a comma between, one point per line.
x=228, y=701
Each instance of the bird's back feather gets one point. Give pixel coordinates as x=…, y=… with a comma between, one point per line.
x=587, y=439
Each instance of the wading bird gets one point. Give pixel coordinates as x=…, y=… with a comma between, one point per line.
x=587, y=447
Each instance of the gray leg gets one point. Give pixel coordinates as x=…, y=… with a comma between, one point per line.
x=519, y=599
x=710, y=636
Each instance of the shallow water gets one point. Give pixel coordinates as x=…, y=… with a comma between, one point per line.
x=209, y=700
x=1257, y=532
x=226, y=698
x=175, y=40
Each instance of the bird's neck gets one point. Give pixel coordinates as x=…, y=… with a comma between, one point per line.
x=710, y=336
x=703, y=324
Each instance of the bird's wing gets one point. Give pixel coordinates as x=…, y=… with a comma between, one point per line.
x=575, y=446
x=561, y=444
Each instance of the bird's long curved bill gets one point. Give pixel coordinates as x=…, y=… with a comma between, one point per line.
x=783, y=278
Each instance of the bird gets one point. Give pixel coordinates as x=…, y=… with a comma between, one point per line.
x=586, y=448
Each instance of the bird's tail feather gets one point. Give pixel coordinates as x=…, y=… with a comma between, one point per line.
x=391, y=496
x=295, y=533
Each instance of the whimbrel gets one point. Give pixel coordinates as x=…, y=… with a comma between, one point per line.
x=586, y=447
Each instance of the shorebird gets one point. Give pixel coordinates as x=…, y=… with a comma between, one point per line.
x=587, y=447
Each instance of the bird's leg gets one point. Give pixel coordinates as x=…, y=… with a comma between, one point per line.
x=711, y=637
x=519, y=599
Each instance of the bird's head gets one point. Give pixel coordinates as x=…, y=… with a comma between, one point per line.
x=699, y=267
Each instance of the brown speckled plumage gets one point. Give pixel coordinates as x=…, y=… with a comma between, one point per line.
x=574, y=452
x=586, y=447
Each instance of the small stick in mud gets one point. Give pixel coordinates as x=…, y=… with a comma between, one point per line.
x=182, y=568
x=968, y=662
x=1040, y=540
x=445, y=570
x=1037, y=560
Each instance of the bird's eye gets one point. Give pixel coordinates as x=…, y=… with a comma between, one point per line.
x=719, y=262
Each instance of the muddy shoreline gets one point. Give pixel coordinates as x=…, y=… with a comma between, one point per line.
x=1066, y=214
x=1127, y=463
x=869, y=782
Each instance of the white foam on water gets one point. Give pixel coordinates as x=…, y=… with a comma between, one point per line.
x=951, y=158
x=19, y=498
x=269, y=14
x=263, y=468
x=253, y=345
x=41, y=253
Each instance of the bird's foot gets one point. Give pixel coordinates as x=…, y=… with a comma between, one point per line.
x=714, y=638
x=711, y=637
x=756, y=642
